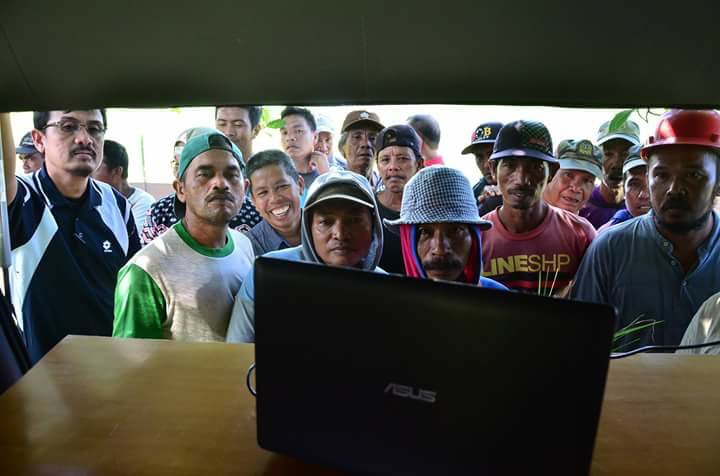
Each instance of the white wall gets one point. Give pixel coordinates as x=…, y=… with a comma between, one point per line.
x=158, y=129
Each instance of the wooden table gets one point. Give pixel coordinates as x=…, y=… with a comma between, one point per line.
x=96, y=405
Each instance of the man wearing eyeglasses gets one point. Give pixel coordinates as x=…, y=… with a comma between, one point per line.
x=70, y=234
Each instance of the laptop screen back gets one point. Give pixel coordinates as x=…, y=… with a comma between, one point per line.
x=385, y=374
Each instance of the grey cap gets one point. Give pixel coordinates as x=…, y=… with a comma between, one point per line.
x=628, y=131
x=633, y=159
x=438, y=194
x=343, y=191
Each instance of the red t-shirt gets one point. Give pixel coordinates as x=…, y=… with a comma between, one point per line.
x=437, y=160
x=546, y=257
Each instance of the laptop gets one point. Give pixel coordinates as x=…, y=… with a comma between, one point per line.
x=384, y=374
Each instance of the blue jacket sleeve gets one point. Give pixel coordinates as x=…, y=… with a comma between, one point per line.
x=242, y=320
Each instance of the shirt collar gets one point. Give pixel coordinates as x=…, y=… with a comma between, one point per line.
x=58, y=199
x=272, y=237
x=667, y=246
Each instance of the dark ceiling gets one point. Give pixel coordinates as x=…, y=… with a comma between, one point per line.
x=56, y=54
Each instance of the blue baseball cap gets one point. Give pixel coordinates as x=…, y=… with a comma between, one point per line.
x=27, y=146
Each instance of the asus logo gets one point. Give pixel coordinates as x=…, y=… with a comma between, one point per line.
x=408, y=392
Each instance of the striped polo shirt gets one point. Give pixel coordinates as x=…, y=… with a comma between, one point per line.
x=66, y=254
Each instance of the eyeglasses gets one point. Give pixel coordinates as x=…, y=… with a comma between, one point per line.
x=69, y=128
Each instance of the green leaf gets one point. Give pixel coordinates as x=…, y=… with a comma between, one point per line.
x=276, y=124
x=619, y=119
x=264, y=117
x=176, y=110
x=630, y=329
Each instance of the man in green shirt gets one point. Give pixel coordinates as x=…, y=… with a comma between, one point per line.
x=181, y=286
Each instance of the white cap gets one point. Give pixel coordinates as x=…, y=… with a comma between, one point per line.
x=324, y=125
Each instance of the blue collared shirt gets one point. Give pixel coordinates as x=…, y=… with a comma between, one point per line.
x=264, y=239
x=65, y=258
x=632, y=267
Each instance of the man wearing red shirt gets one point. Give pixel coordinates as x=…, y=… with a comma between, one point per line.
x=428, y=129
x=532, y=247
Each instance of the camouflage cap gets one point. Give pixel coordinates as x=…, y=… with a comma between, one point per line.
x=524, y=139
x=580, y=155
x=628, y=131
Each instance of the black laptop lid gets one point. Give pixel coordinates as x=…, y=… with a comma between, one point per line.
x=386, y=374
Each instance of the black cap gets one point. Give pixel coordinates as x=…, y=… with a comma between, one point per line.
x=484, y=134
x=524, y=139
x=401, y=135
x=27, y=146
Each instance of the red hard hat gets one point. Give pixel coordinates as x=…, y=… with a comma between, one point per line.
x=685, y=127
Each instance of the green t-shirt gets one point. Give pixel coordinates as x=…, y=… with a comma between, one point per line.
x=176, y=288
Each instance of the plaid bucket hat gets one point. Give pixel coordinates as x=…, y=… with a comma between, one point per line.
x=438, y=194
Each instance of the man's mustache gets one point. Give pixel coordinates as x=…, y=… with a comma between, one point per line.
x=221, y=196
x=442, y=264
x=83, y=150
x=675, y=204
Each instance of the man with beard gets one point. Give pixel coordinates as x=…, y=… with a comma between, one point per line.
x=360, y=128
x=637, y=195
x=275, y=186
x=572, y=184
x=532, y=247
x=663, y=265
x=398, y=159
x=607, y=199
x=69, y=234
x=440, y=229
x=340, y=226
x=181, y=286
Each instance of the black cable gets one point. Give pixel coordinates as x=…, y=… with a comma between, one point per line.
x=248, y=380
x=648, y=348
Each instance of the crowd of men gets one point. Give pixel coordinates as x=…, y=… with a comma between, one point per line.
x=94, y=255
